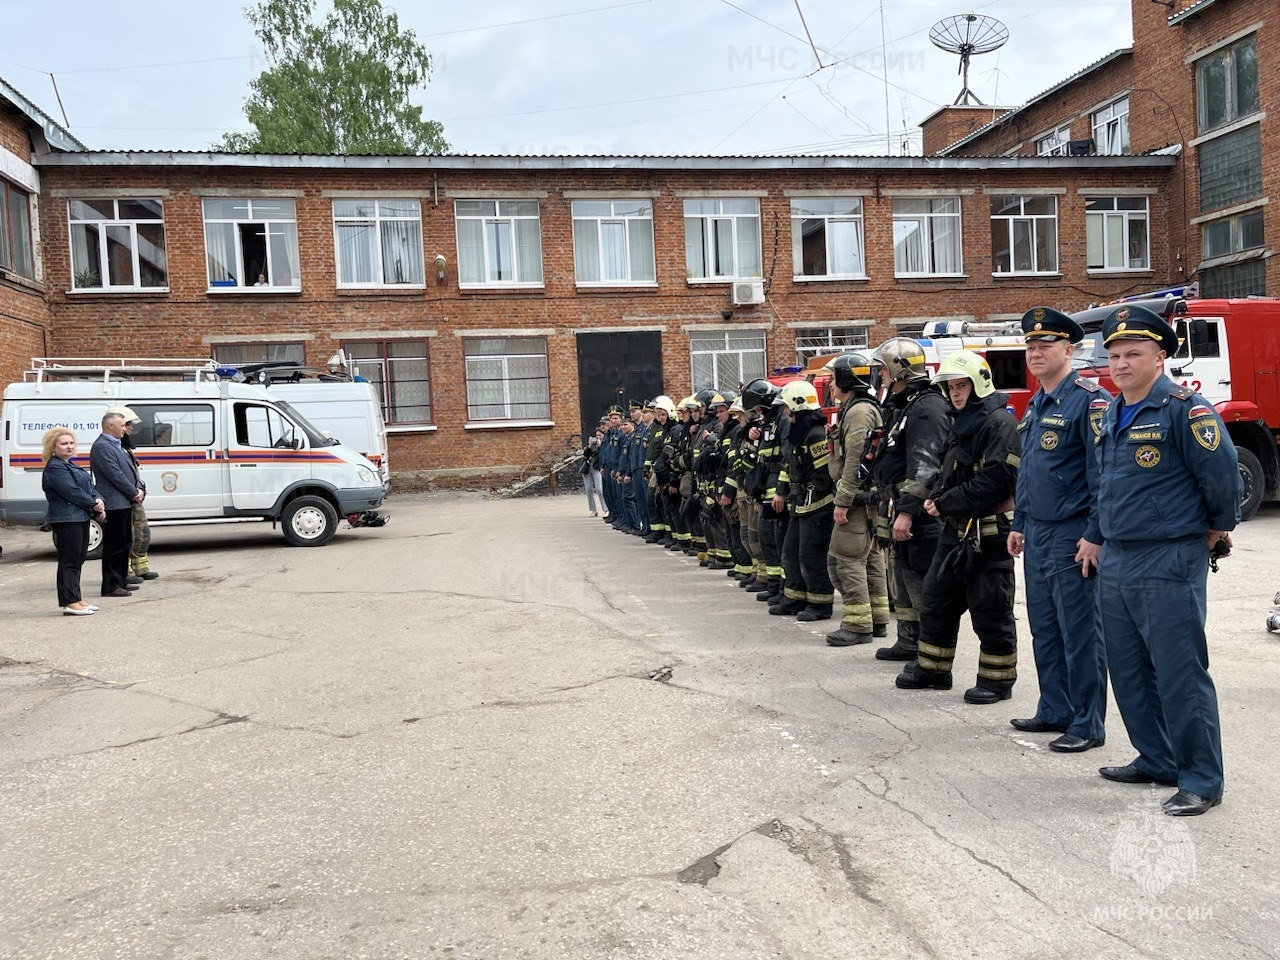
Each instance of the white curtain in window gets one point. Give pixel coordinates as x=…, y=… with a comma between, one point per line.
x=908, y=246
x=220, y=244
x=1094, y=246
x=946, y=244
x=501, y=260
x=282, y=240
x=401, y=251
x=613, y=240
x=844, y=247
x=471, y=251
x=586, y=251
x=640, y=234
x=357, y=254
x=695, y=257
x=748, y=247
x=528, y=251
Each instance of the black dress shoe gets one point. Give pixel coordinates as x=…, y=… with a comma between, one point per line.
x=1070, y=743
x=1187, y=804
x=880, y=630
x=1131, y=774
x=914, y=678
x=117, y=592
x=896, y=652
x=982, y=696
x=847, y=638
x=1036, y=725
x=131, y=587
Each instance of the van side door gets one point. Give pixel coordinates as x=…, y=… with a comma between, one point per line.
x=265, y=452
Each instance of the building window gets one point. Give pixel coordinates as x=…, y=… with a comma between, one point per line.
x=812, y=342
x=1024, y=234
x=1231, y=168
x=400, y=373
x=507, y=378
x=722, y=239
x=826, y=238
x=926, y=237
x=1111, y=129
x=726, y=360
x=378, y=242
x=1054, y=144
x=251, y=244
x=1248, y=279
x=1227, y=85
x=499, y=242
x=1116, y=233
x=15, y=231
x=613, y=242
x=117, y=245
x=237, y=354
x=1231, y=235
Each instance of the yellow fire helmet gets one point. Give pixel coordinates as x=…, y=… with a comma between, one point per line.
x=800, y=395
x=967, y=365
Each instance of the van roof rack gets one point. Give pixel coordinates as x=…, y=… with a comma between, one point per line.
x=107, y=369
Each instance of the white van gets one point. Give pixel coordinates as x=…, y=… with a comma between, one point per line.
x=209, y=450
x=349, y=412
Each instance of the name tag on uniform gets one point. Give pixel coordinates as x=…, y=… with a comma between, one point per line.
x=1146, y=436
x=1053, y=421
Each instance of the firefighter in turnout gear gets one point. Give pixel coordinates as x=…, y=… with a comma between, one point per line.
x=706, y=458
x=971, y=569
x=672, y=473
x=762, y=465
x=1056, y=531
x=729, y=481
x=664, y=412
x=690, y=499
x=903, y=473
x=807, y=492
x=857, y=558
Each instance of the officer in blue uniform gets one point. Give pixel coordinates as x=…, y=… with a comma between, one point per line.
x=1055, y=529
x=1168, y=495
x=610, y=451
x=642, y=416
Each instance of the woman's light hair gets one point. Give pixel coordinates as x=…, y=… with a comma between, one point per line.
x=51, y=438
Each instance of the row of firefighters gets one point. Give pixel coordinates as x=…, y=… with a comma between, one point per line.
x=757, y=485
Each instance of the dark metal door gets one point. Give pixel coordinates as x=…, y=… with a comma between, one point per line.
x=616, y=368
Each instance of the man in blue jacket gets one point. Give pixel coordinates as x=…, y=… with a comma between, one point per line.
x=120, y=488
x=1168, y=495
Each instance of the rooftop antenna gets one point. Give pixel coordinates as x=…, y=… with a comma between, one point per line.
x=968, y=34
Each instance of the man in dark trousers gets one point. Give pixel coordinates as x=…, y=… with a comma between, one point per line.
x=120, y=487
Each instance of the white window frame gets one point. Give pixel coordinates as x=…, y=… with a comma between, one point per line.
x=1108, y=221
x=927, y=222
x=282, y=229
x=1227, y=55
x=720, y=348
x=1036, y=222
x=386, y=381
x=505, y=359
x=104, y=226
x=818, y=341
x=376, y=221
x=634, y=215
x=1056, y=143
x=735, y=220
x=502, y=213
x=797, y=239
x=1108, y=120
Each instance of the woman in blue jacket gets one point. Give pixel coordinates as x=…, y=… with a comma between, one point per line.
x=72, y=502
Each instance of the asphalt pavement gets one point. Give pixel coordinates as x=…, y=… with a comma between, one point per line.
x=495, y=728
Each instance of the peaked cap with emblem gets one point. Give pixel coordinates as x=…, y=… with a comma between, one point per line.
x=1132, y=322
x=1046, y=323
x=614, y=409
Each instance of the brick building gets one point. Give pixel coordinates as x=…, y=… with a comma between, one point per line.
x=500, y=302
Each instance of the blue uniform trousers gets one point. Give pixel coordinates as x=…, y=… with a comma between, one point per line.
x=611, y=494
x=639, y=492
x=1066, y=637
x=1151, y=596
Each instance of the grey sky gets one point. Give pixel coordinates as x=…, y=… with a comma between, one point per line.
x=575, y=76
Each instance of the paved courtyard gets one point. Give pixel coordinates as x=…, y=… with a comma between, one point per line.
x=497, y=729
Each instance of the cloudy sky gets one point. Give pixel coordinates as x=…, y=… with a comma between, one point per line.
x=571, y=76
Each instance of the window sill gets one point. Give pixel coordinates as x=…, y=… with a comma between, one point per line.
x=411, y=428
x=252, y=291
x=499, y=287
x=119, y=292
x=506, y=424
x=1118, y=271
x=717, y=281
x=406, y=289
x=1023, y=275
x=861, y=278
x=931, y=276
x=620, y=285
x=21, y=281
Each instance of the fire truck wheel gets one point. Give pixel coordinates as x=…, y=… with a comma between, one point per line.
x=1255, y=482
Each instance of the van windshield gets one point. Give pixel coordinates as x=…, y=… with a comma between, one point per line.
x=315, y=437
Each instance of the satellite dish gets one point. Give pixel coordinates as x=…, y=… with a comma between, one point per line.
x=968, y=34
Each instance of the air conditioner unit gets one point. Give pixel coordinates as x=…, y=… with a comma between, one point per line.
x=748, y=292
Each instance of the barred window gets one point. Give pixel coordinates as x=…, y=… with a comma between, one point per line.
x=400, y=373
x=814, y=342
x=726, y=360
x=507, y=378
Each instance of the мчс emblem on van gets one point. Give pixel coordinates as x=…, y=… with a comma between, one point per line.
x=169, y=481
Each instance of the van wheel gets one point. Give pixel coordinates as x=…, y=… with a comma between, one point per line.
x=1254, y=480
x=309, y=521
x=95, y=540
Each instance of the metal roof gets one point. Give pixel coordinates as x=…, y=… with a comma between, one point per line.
x=1190, y=11
x=621, y=162
x=58, y=136
x=1096, y=65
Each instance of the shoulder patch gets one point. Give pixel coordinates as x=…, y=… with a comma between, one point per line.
x=1085, y=383
x=1181, y=393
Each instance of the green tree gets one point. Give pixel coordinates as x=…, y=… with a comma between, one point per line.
x=338, y=86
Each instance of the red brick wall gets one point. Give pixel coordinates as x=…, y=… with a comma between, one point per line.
x=174, y=324
x=950, y=124
x=23, y=314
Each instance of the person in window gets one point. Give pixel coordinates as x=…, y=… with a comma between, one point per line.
x=73, y=501
x=261, y=281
